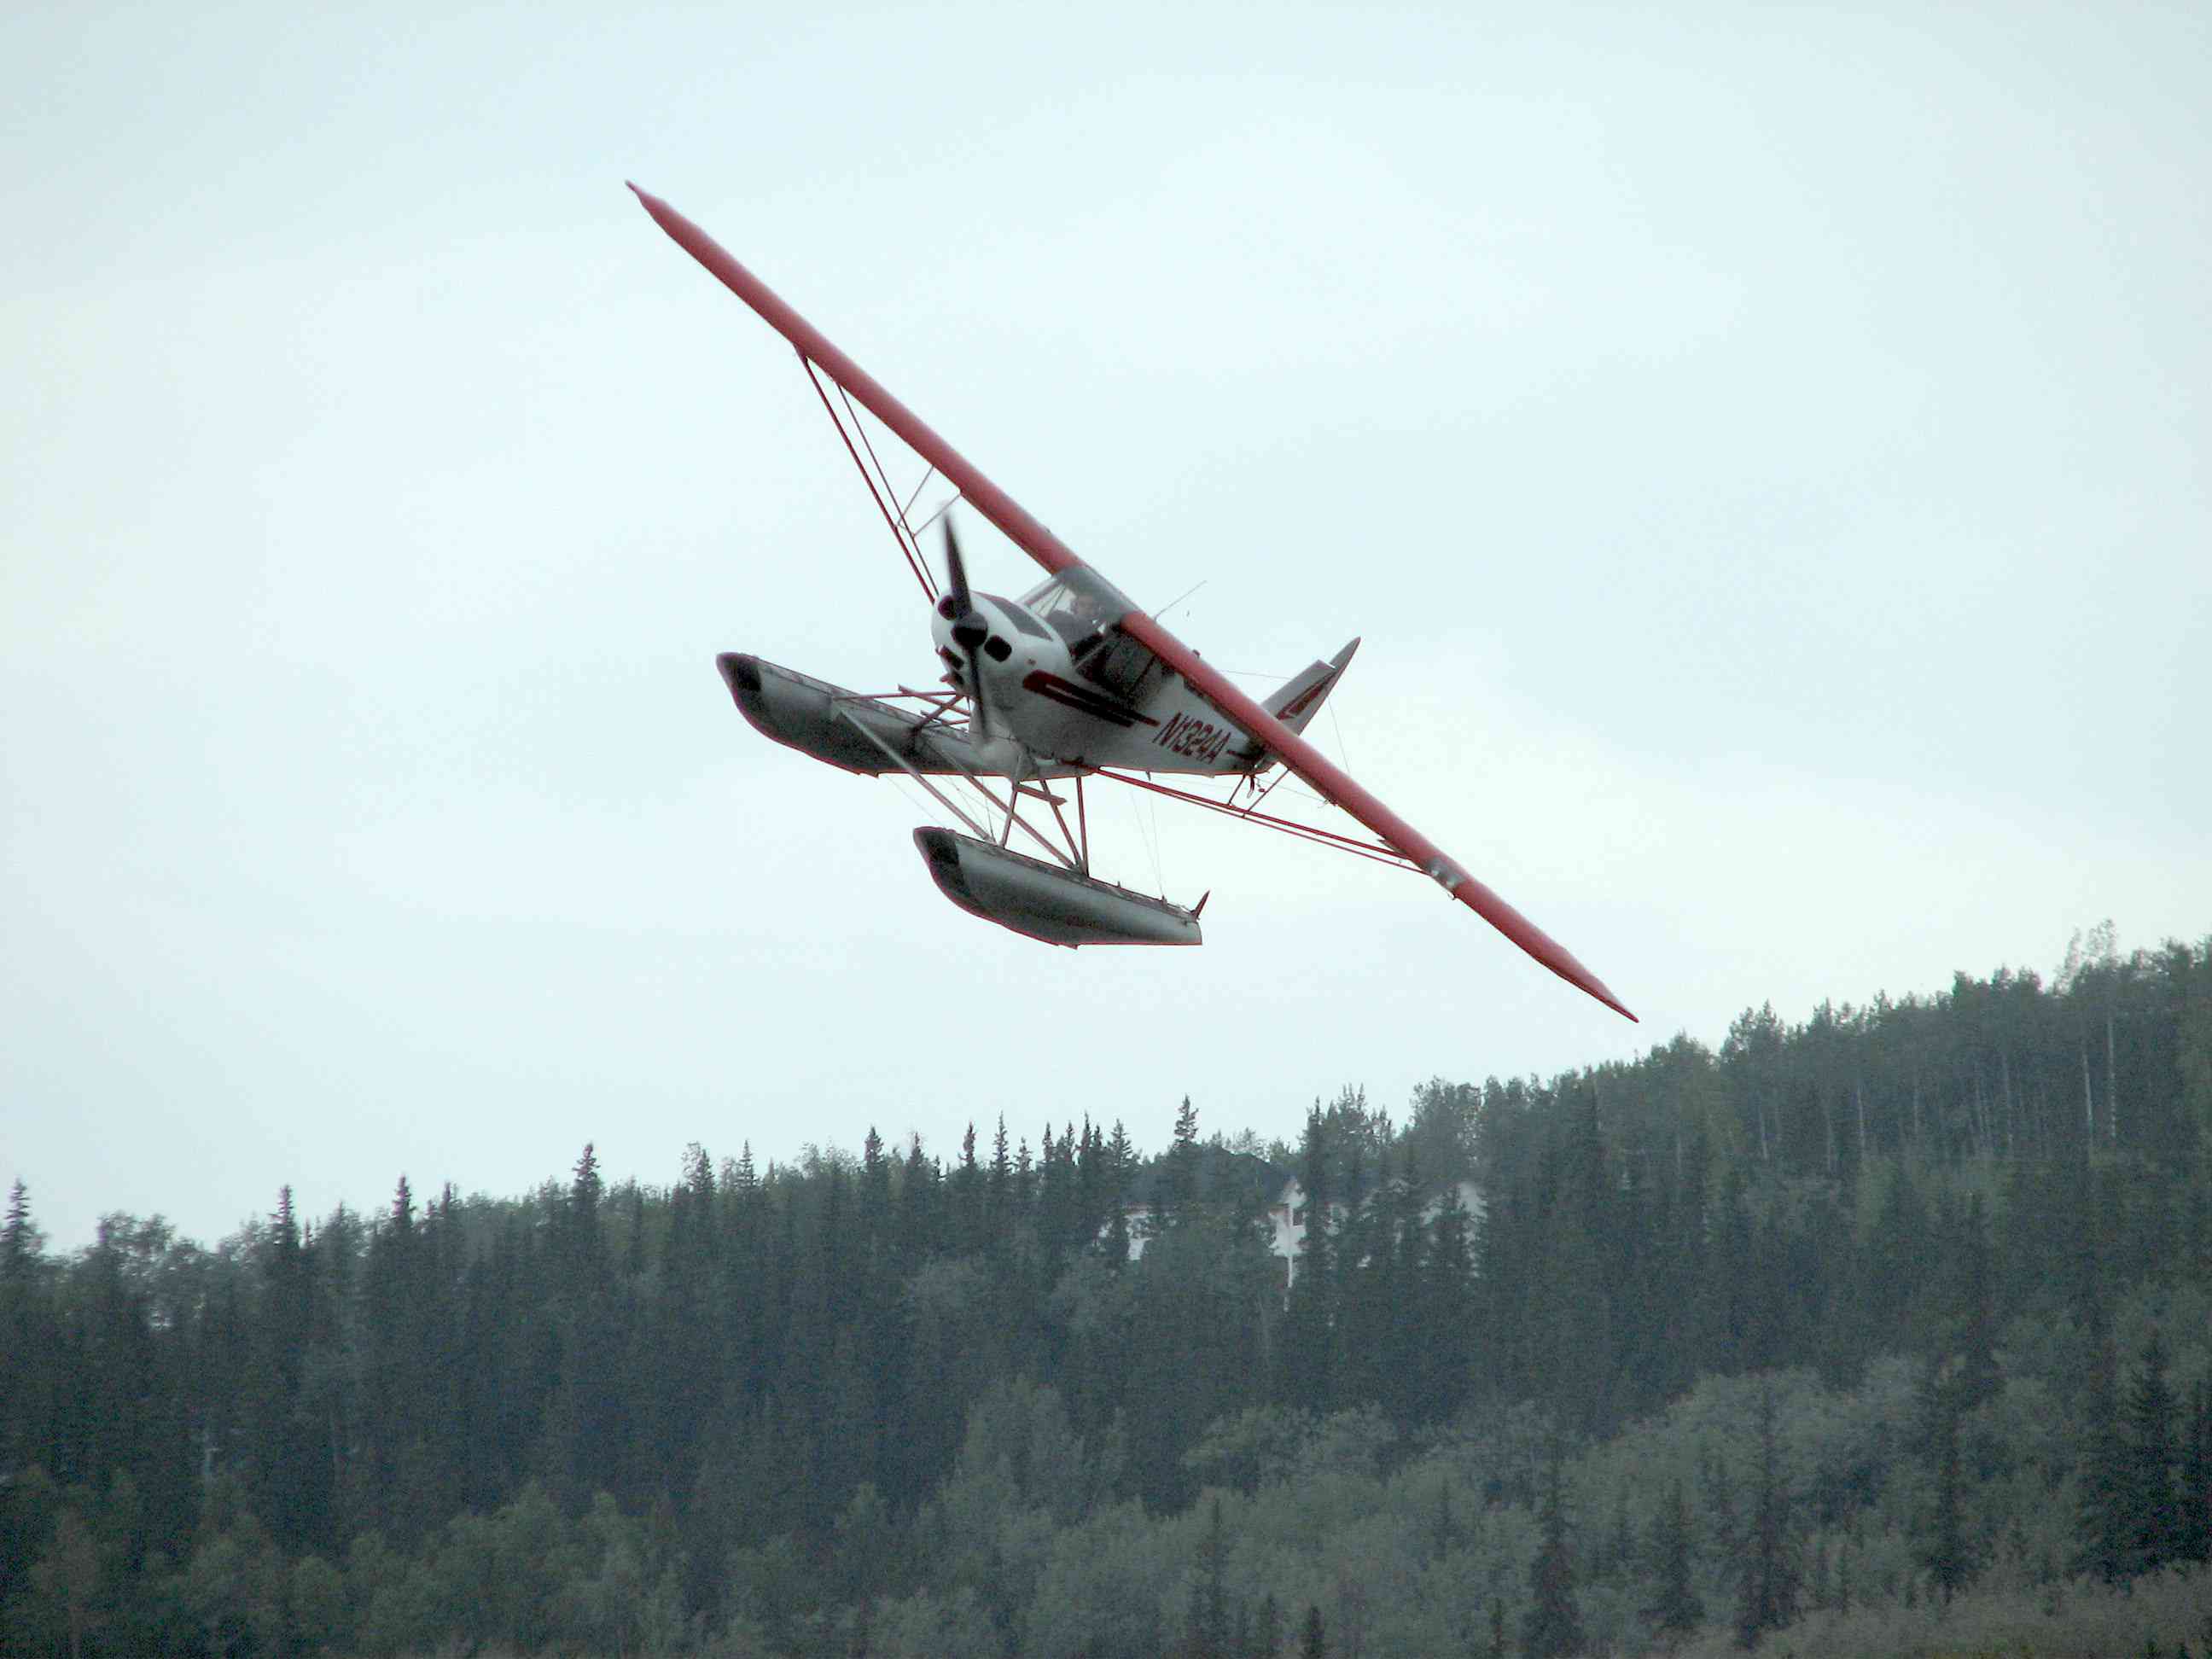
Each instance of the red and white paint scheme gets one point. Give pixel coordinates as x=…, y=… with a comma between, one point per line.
x=1069, y=681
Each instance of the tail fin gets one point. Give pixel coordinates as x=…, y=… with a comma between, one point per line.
x=1299, y=698
x=1296, y=702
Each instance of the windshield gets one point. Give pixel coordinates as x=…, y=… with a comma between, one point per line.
x=1077, y=604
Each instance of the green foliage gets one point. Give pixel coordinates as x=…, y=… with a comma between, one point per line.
x=1837, y=1315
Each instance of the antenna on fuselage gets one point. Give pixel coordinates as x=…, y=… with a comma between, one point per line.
x=1180, y=597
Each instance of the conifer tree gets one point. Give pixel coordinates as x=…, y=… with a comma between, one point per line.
x=2194, y=1501
x=1178, y=1185
x=1305, y=1370
x=1446, y=1296
x=999, y=1190
x=1267, y=1630
x=1676, y=1609
x=586, y=1189
x=1553, y=1627
x=1945, y=1550
x=26, y=1381
x=2153, y=1530
x=2103, y=1521
x=634, y=1250
x=875, y=1201
x=1209, y=1606
x=968, y=1210
x=69, y=1573
x=1055, y=1196
x=1088, y=1204
x=1978, y=1374
x=1120, y=1160
x=20, y=1242
x=1716, y=1488
x=1312, y=1641
x=917, y=1219
x=1766, y=1596
x=289, y=1472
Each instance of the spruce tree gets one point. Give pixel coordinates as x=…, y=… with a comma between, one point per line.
x=968, y=1230
x=1267, y=1630
x=1119, y=1159
x=1766, y=1597
x=1313, y=1642
x=1553, y=1624
x=1209, y=1604
x=1978, y=1374
x=1676, y=1609
x=585, y=1247
x=2103, y=1520
x=1446, y=1296
x=2154, y=1531
x=1945, y=1550
x=1716, y=1488
x=20, y=1241
x=1178, y=1184
x=1305, y=1357
x=875, y=1197
x=2194, y=1500
x=997, y=1190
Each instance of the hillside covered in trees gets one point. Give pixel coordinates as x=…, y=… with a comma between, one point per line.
x=1888, y=1327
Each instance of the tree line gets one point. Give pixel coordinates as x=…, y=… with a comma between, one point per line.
x=1899, y=1304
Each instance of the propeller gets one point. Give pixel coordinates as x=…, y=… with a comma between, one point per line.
x=970, y=628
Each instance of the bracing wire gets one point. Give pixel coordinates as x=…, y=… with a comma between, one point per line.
x=1149, y=836
x=1159, y=867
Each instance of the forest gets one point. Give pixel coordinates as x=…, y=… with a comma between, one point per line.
x=1885, y=1330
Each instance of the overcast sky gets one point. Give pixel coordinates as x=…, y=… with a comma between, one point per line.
x=1765, y=451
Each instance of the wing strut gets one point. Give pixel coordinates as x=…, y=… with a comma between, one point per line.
x=905, y=542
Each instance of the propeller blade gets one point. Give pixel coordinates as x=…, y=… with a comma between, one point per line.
x=956, y=572
x=968, y=629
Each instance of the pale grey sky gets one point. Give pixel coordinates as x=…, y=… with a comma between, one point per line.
x=1765, y=451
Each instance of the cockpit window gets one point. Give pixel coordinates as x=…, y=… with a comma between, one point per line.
x=1086, y=610
x=1077, y=604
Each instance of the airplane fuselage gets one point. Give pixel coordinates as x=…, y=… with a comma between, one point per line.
x=1096, y=699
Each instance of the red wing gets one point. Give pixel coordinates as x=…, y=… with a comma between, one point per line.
x=980, y=493
x=1335, y=785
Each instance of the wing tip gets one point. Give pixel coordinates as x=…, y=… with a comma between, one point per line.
x=1532, y=940
x=1584, y=981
